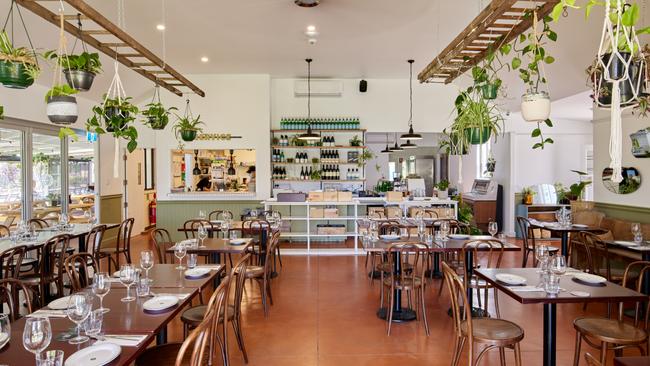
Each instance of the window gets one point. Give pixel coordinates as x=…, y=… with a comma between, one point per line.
x=482, y=160
x=46, y=177
x=11, y=176
x=81, y=178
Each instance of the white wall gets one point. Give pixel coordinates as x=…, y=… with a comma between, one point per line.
x=235, y=104
x=631, y=124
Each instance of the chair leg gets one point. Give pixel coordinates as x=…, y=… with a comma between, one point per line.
x=442, y=285
x=367, y=256
x=524, y=259
x=517, y=355
x=502, y=356
x=278, y=255
x=576, y=355
x=496, y=302
x=424, y=311
x=603, y=352
x=389, y=318
x=459, y=352
x=240, y=338
x=372, y=270
x=268, y=292
x=264, y=302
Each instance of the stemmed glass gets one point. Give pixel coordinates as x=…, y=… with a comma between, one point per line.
x=179, y=252
x=127, y=278
x=5, y=329
x=101, y=287
x=541, y=254
x=558, y=264
x=202, y=214
x=37, y=334
x=79, y=306
x=202, y=233
x=493, y=228
x=146, y=262
x=225, y=226
x=444, y=230
x=422, y=228
x=637, y=233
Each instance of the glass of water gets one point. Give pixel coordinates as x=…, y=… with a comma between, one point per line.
x=493, y=228
x=79, y=307
x=192, y=260
x=552, y=284
x=558, y=265
x=444, y=230
x=93, y=325
x=50, y=358
x=5, y=329
x=142, y=288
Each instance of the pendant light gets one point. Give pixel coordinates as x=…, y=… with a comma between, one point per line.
x=309, y=135
x=396, y=147
x=386, y=150
x=231, y=169
x=410, y=135
x=408, y=145
x=196, y=170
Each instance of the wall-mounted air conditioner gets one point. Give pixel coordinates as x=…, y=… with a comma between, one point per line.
x=319, y=88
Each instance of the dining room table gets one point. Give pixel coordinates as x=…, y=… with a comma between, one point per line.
x=632, y=361
x=215, y=247
x=76, y=231
x=564, y=231
x=449, y=245
x=126, y=323
x=572, y=290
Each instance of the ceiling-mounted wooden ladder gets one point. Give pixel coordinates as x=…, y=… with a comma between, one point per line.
x=115, y=43
x=499, y=23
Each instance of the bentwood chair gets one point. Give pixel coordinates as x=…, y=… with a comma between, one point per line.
x=94, y=240
x=410, y=278
x=4, y=231
x=598, y=258
x=191, y=227
x=605, y=334
x=219, y=215
x=493, y=333
x=261, y=229
x=122, y=245
x=50, y=268
x=162, y=241
x=487, y=254
x=390, y=227
x=10, y=294
x=193, y=316
x=528, y=240
x=202, y=341
x=11, y=260
x=80, y=268
x=262, y=274
x=37, y=223
x=591, y=360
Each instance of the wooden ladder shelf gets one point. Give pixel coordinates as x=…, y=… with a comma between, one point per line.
x=115, y=43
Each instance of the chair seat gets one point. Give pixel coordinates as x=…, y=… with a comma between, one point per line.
x=386, y=267
x=35, y=279
x=194, y=315
x=254, y=271
x=108, y=250
x=165, y=354
x=610, y=330
x=494, y=331
x=404, y=284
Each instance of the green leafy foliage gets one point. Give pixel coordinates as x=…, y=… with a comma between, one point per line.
x=576, y=189
x=187, y=122
x=84, y=61
x=19, y=54
x=60, y=90
x=68, y=132
x=443, y=185
x=2, y=112
x=117, y=115
x=156, y=115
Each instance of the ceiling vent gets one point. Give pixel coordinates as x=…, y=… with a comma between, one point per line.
x=319, y=88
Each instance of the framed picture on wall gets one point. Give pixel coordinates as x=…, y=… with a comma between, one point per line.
x=149, y=173
x=641, y=143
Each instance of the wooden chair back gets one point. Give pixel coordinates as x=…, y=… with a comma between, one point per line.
x=10, y=294
x=598, y=259
x=392, y=228
x=376, y=215
x=162, y=240
x=527, y=234
x=219, y=215
x=412, y=259
x=239, y=276
x=455, y=226
x=53, y=254
x=80, y=268
x=191, y=227
x=487, y=253
x=4, y=231
x=124, y=238
x=461, y=311
x=430, y=214
x=636, y=271
x=591, y=360
x=37, y=223
x=94, y=240
x=10, y=261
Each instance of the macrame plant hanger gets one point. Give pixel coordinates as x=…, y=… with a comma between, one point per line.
x=62, y=51
x=116, y=90
x=156, y=88
x=609, y=43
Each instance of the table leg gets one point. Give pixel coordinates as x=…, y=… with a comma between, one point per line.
x=82, y=244
x=161, y=337
x=435, y=271
x=645, y=286
x=400, y=314
x=565, y=243
x=549, y=334
x=469, y=271
x=215, y=258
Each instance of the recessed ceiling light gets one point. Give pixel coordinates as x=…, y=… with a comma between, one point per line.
x=204, y=59
x=160, y=27
x=311, y=28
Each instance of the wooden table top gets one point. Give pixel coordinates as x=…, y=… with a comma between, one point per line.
x=632, y=361
x=450, y=245
x=623, y=244
x=610, y=292
x=44, y=235
x=554, y=226
x=218, y=245
x=167, y=276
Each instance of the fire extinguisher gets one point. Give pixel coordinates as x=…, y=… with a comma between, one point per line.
x=152, y=211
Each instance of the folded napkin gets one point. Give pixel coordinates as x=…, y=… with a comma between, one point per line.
x=527, y=288
x=180, y=296
x=213, y=267
x=46, y=313
x=126, y=340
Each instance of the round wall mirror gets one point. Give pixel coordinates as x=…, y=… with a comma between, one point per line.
x=630, y=183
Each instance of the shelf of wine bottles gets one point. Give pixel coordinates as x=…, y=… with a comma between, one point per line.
x=334, y=124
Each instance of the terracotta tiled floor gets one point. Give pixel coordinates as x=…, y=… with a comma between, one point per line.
x=324, y=314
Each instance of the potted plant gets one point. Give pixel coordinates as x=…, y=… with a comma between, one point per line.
x=187, y=127
x=365, y=156
x=561, y=193
x=62, y=105
x=442, y=189
x=115, y=115
x=2, y=112
x=355, y=141
x=79, y=70
x=157, y=116
x=527, y=193
x=575, y=193
x=18, y=65
x=491, y=164
x=54, y=199
x=486, y=76
x=477, y=118
x=452, y=144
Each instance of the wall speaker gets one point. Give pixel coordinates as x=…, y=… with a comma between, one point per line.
x=363, y=86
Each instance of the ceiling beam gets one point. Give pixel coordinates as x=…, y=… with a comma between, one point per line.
x=124, y=40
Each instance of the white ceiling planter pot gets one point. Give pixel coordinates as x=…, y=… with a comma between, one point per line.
x=62, y=110
x=535, y=107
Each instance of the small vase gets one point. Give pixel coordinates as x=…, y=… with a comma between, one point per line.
x=535, y=107
x=62, y=110
x=528, y=199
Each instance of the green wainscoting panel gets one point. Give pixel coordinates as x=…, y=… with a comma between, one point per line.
x=171, y=215
x=624, y=212
x=110, y=211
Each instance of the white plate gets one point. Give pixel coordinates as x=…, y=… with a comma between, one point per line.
x=458, y=236
x=511, y=279
x=160, y=303
x=59, y=304
x=580, y=225
x=197, y=272
x=589, y=278
x=481, y=237
x=116, y=274
x=390, y=237
x=95, y=355
x=4, y=339
x=238, y=241
x=626, y=243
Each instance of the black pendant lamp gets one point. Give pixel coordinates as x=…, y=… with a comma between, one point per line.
x=396, y=147
x=309, y=135
x=408, y=145
x=386, y=150
x=196, y=170
x=410, y=135
x=231, y=169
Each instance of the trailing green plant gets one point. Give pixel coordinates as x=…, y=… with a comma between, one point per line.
x=21, y=55
x=60, y=90
x=40, y=158
x=576, y=189
x=475, y=114
x=156, y=115
x=187, y=123
x=486, y=75
x=68, y=132
x=452, y=144
x=443, y=185
x=84, y=61
x=115, y=115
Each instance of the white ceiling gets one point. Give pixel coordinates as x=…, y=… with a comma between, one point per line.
x=358, y=38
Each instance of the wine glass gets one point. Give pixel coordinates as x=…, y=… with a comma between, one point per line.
x=101, y=287
x=202, y=233
x=127, y=277
x=493, y=228
x=636, y=228
x=444, y=229
x=558, y=265
x=225, y=226
x=37, y=334
x=179, y=252
x=422, y=228
x=79, y=306
x=5, y=329
x=146, y=262
x=87, y=216
x=541, y=254
x=202, y=214
x=93, y=324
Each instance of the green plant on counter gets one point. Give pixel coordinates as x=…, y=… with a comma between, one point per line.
x=60, y=91
x=384, y=186
x=576, y=189
x=527, y=191
x=562, y=193
x=364, y=157
x=443, y=185
x=355, y=141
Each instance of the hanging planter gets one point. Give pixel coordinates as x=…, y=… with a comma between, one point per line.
x=156, y=115
x=477, y=135
x=61, y=105
x=16, y=75
x=490, y=91
x=18, y=65
x=187, y=127
x=535, y=107
x=631, y=85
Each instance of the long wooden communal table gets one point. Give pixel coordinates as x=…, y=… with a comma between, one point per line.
x=123, y=318
x=78, y=231
x=610, y=292
x=439, y=246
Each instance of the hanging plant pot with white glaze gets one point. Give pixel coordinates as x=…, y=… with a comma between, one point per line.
x=61, y=105
x=535, y=107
